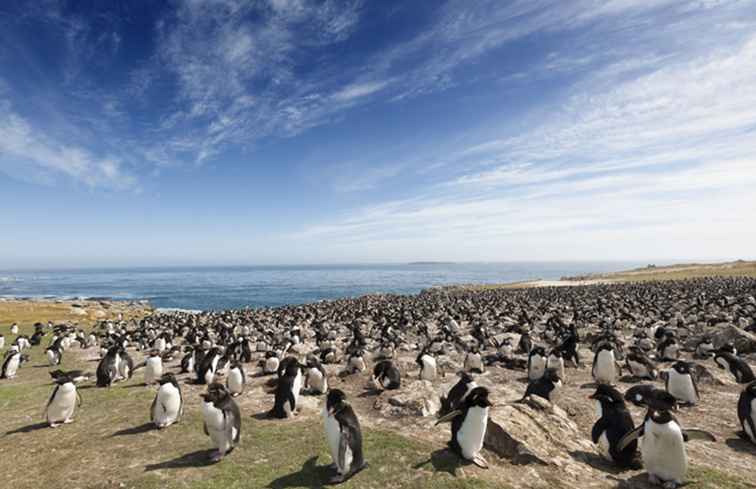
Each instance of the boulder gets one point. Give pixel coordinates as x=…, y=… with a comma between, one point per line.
x=417, y=398
x=534, y=432
x=744, y=341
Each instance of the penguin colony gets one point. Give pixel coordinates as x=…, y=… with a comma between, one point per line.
x=661, y=336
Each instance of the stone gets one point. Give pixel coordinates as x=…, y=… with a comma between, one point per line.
x=744, y=342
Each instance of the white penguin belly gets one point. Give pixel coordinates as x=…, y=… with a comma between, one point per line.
x=472, y=432
x=235, y=381
x=357, y=363
x=537, y=367
x=473, y=362
x=333, y=437
x=317, y=381
x=12, y=367
x=62, y=406
x=216, y=426
x=603, y=447
x=168, y=405
x=428, y=371
x=681, y=386
x=271, y=365
x=153, y=370
x=605, y=370
x=663, y=452
x=296, y=387
x=638, y=369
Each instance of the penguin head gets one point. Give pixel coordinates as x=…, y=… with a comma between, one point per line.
x=335, y=401
x=681, y=367
x=478, y=397
x=465, y=377
x=216, y=394
x=60, y=377
x=608, y=396
x=168, y=378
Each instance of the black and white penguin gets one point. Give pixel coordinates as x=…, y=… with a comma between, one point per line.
x=614, y=422
x=2, y=341
x=663, y=447
x=469, y=423
x=344, y=437
x=639, y=365
x=681, y=383
x=473, y=361
x=13, y=359
x=187, y=361
x=271, y=363
x=209, y=365
x=457, y=393
x=153, y=368
x=62, y=403
x=668, y=350
x=637, y=394
x=506, y=350
x=14, y=328
x=316, y=380
x=536, y=363
x=604, y=369
x=386, y=376
x=556, y=362
x=427, y=364
x=236, y=378
x=356, y=361
x=747, y=411
x=525, y=344
x=287, y=392
x=736, y=366
x=547, y=387
x=125, y=365
x=222, y=420
x=705, y=348
x=168, y=405
x=107, y=369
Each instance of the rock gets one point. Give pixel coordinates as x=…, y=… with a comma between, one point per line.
x=744, y=342
x=417, y=398
x=533, y=432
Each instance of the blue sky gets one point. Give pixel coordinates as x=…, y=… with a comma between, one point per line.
x=296, y=131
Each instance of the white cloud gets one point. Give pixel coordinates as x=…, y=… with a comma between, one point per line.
x=358, y=90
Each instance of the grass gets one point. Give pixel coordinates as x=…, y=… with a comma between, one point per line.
x=706, y=478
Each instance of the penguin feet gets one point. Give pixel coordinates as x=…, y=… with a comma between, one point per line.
x=480, y=461
x=68, y=421
x=216, y=456
x=670, y=485
x=54, y=425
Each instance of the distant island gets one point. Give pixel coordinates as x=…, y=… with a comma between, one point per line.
x=431, y=263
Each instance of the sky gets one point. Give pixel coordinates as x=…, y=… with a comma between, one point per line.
x=221, y=132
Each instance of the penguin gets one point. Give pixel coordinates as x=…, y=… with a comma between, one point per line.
x=473, y=361
x=637, y=394
x=728, y=347
x=125, y=366
x=14, y=328
x=705, y=348
x=604, y=369
x=663, y=447
x=316, y=379
x=168, y=405
x=356, y=362
x=62, y=403
x=668, y=350
x=13, y=360
x=236, y=379
x=525, y=344
x=556, y=362
x=457, y=394
x=614, y=421
x=536, y=363
x=469, y=422
x=75, y=375
x=547, y=387
x=221, y=420
x=344, y=437
x=107, y=369
x=207, y=368
x=271, y=362
x=639, y=365
x=153, y=368
x=187, y=361
x=2, y=341
x=289, y=360
x=681, y=383
x=506, y=350
x=747, y=411
x=386, y=376
x=287, y=392
x=328, y=355
x=54, y=355
x=736, y=366
x=427, y=364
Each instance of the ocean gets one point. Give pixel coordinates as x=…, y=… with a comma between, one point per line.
x=214, y=288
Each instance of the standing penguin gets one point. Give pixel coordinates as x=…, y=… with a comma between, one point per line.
x=62, y=403
x=473, y=361
x=386, y=376
x=427, y=364
x=344, y=436
x=2, y=341
x=356, y=361
x=668, y=350
x=536, y=363
x=663, y=447
x=556, y=362
x=222, y=420
x=14, y=328
x=456, y=395
x=604, y=369
x=547, y=387
x=316, y=380
x=271, y=362
x=469, y=424
x=287, y=392
x=747, y=411
x=12, y=361
x=736, y=366
x=125, y=366
x=107, y=369
x=614, y=422
x=639, y=365
x=236, y=379
x=168, y=405
x=681, y=383
x=153, y=368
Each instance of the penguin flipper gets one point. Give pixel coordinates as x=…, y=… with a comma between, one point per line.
x=344, y=444
x=630, y=437
x=698, y=435
x=204, y=428
x=153, y=414
x=598, y=428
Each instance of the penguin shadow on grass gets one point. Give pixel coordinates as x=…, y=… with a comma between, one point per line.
x=28, y=428
x=143, y=428
x=444, y=460
x=311, y=476
x=200, y=458
x=599, y=463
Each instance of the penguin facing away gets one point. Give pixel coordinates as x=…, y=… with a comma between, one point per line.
x=287, y=392
x=747, y=411
x=344, y=437
x=736, y=366
x=222, y=420
x=614, y=421
x=168, y=405
x=386, y=375
x=547, y=387
x=469, y=423
x=63, y=401
x=457, y=393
